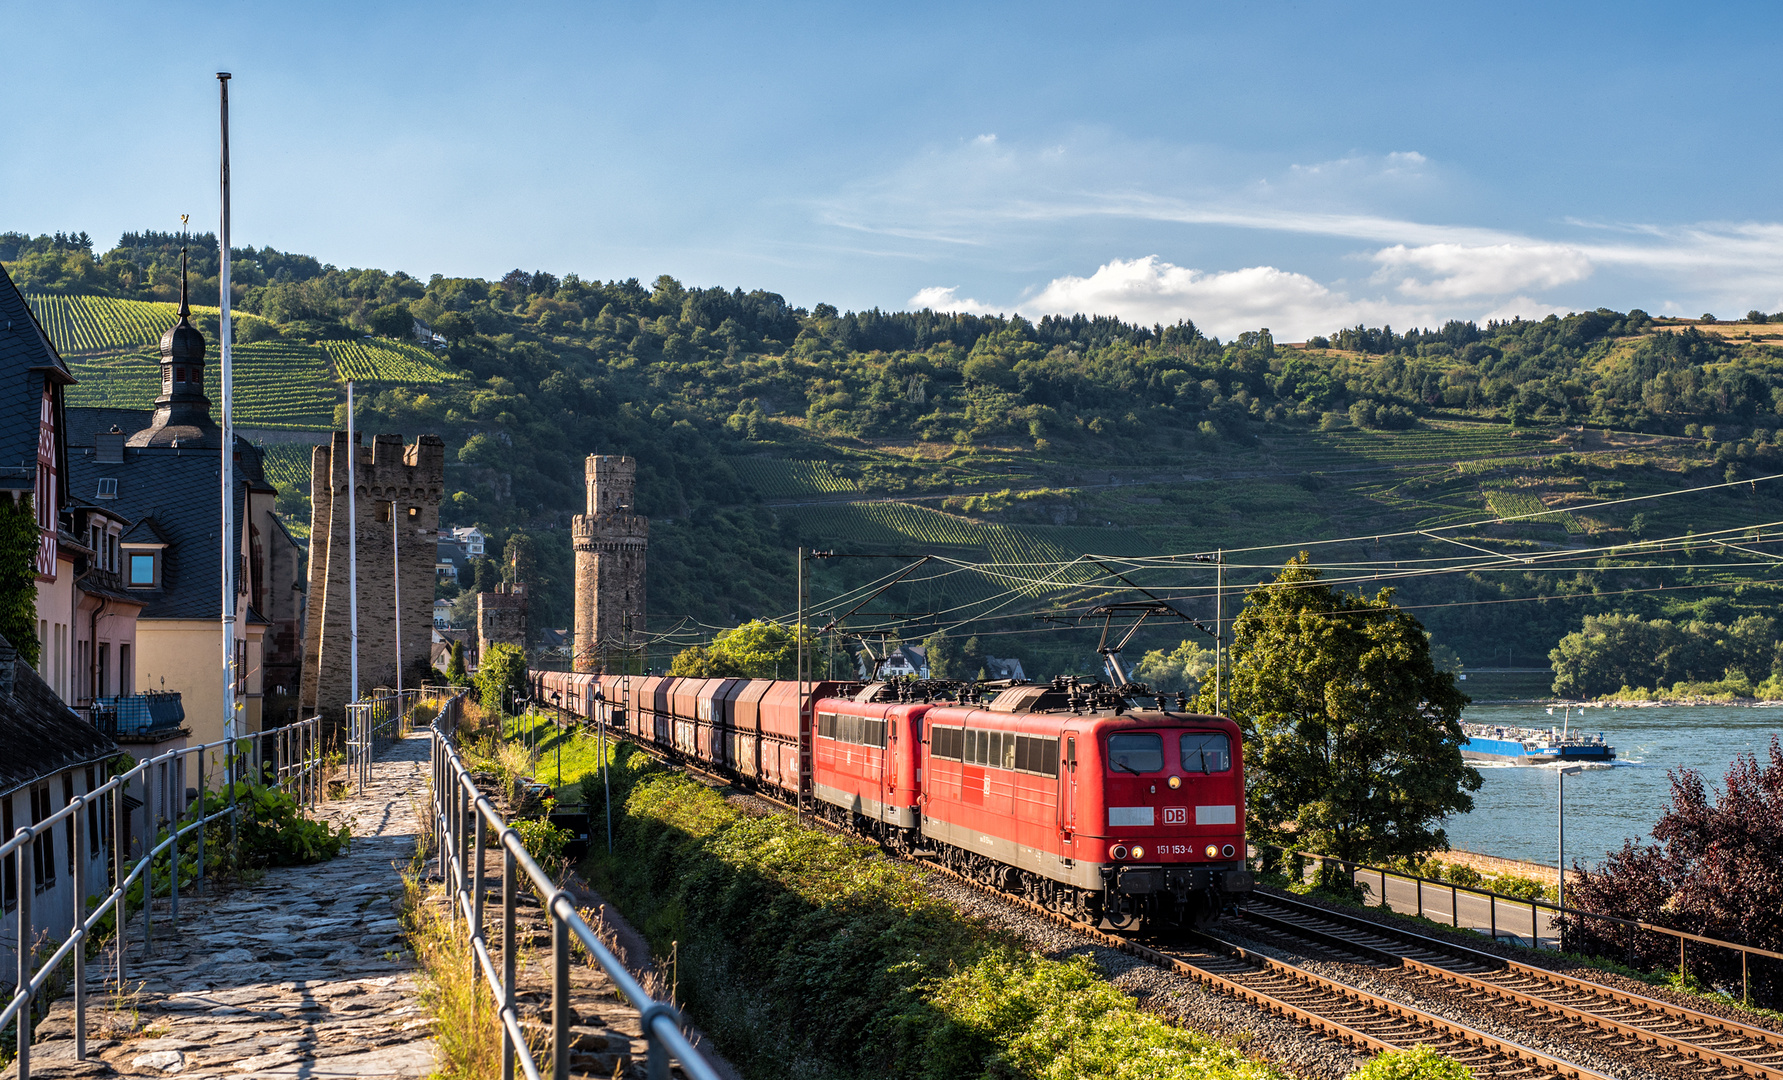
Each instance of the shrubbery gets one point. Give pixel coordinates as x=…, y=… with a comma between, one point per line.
x=1418, y=1063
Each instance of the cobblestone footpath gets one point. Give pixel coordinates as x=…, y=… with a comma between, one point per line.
x=304, y=974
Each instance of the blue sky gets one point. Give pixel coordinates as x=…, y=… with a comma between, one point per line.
x=1300, y=166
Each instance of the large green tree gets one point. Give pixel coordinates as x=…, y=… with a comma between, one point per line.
x=1352, y=737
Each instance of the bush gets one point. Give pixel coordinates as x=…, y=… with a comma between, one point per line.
x=544, y=841
x=1418, y=1063
x=1711, y=870
x=272, y=831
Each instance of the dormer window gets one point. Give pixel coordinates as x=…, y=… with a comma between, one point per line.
x=145, y=569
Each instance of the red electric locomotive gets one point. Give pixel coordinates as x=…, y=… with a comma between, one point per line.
x=1066, y=795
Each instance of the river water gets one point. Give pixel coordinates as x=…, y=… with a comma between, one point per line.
x=1514, y=811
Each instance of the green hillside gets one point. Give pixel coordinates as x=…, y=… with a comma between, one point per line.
x=760, y=427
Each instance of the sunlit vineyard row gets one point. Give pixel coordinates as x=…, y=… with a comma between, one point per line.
x=97, y=324
x=277, y=384
x=384, y=361
x=778, y=478
x=288, y=465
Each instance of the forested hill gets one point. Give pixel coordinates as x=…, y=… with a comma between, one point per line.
x=759, y=426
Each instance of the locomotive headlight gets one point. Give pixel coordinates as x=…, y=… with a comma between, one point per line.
x=1176, y=781
x=1213, y=851
x=1118, y=851
x=1138, y=852
x=1226, y=851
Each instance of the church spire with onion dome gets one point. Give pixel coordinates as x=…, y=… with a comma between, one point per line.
x=182, y=412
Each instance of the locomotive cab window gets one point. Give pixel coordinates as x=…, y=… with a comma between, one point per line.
x=1140, y=752
x=1206, y=752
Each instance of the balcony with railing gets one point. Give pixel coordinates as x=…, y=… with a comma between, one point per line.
x=146, y=717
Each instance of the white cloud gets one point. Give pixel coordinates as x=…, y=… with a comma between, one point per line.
x=1150, y=290
x=1460, y=271
x=945, y=298
x=988, y=204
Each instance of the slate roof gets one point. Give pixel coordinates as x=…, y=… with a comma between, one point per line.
x=41, y=735
x=26, y=359
x=171, y=496
x=83, y=424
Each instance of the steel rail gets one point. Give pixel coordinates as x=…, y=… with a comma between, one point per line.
x=1744, y=1064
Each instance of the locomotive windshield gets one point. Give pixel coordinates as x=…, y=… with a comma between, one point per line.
x=1206, y=752
x=1139, y=752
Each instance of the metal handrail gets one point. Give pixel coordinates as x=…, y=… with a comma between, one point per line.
x=462, y=818
x=297, y=763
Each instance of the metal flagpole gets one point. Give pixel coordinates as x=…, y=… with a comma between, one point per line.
x=231, y=550
x=353, y=539
x=396, y=575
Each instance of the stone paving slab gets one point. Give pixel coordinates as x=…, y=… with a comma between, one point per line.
x=303, y=974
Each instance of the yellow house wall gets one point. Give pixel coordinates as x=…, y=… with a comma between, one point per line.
x=187, y=653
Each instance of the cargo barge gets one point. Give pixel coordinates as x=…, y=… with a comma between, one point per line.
x=1507, y=745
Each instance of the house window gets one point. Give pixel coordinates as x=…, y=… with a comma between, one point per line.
x=142, y=569
x=126, y=677
x=9, y=872
x=43, y=849
x=68, y=824
x=108, y=487
x=95, y=818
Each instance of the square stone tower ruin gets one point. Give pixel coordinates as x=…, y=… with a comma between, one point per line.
x=397, y=488
x=610, y=541
x=501, y=618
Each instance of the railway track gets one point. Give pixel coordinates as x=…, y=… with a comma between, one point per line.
x=1702, y=1044
x=1335, y=1009
x=1709, y=1045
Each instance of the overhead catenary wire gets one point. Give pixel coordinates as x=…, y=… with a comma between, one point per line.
x=1026, y=578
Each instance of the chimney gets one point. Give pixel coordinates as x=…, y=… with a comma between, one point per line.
x=110, y=446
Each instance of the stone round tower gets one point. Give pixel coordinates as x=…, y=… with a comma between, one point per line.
x=610, y=541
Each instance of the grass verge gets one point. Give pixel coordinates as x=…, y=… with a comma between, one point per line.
x=452, y=991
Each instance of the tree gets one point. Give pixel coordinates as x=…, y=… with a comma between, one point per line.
x=1712, y=869
x=1182, y=668
x=392, y=321
x=500, y=670
x=456, y=673
x=18, y=578
x=454, y=326
x=699, y=662
x=1352, y=737
x=760, y=649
